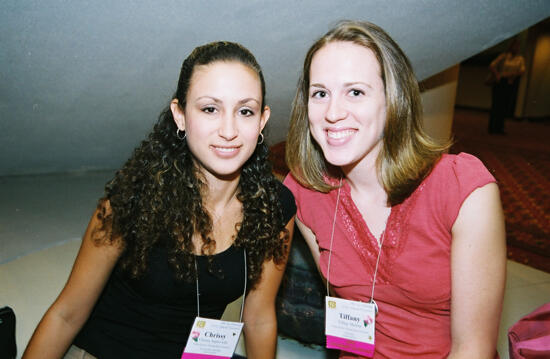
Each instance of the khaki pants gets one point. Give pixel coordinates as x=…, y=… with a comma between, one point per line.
x=75, y=352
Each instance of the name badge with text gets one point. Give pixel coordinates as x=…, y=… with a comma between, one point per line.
x=212, y=339
x=349, y=326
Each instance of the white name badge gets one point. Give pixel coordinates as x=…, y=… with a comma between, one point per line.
x=213, y=339
x=349, y=326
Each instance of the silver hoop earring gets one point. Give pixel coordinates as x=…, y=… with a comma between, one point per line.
x=262, y=140
x=178, y=134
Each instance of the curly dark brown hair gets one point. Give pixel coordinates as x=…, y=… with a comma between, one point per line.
x=156, y=197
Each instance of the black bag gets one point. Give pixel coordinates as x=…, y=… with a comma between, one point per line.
x=8, y=348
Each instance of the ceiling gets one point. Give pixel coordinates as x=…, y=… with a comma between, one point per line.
x=82, y=82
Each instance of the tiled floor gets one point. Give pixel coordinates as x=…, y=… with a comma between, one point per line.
x=43, y=217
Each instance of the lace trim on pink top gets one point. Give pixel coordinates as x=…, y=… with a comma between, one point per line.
x=364, y=242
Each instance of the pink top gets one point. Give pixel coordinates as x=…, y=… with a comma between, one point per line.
x=413, y=284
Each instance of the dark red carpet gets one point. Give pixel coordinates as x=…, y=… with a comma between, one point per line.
x=520, y=161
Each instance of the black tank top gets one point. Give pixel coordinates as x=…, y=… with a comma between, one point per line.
x=151, y=317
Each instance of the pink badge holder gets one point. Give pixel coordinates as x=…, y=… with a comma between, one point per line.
x=529, y=338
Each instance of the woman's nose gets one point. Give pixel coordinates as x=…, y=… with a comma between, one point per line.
x=335, y=111
x=228, y=128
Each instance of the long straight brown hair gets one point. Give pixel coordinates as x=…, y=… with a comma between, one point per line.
x=408, y=153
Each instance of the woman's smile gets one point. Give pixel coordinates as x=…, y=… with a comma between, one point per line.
x=339, y=136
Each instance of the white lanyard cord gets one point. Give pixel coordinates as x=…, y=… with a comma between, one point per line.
x=377, y=261
x=244, y=293
x=332, y=236
x=330, y=251
x=197, y=282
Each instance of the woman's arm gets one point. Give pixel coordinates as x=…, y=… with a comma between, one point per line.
x=69, y=312
x=311, y=241
x=494, y=66
x=478, y=273
x=260, y=321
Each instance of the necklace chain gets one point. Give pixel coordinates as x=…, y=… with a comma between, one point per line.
x=217, y=218
x=214, y=214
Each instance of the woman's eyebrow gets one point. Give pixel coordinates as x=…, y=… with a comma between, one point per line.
x=243, y=101
x=216, y=100
x=348, y=84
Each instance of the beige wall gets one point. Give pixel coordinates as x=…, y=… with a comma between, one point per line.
x=438, y=99
x=537, y=93
x=534, y=88
x=471, y=92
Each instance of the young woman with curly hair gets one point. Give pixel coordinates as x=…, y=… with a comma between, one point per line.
x=388, y=216
x=191, y=221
